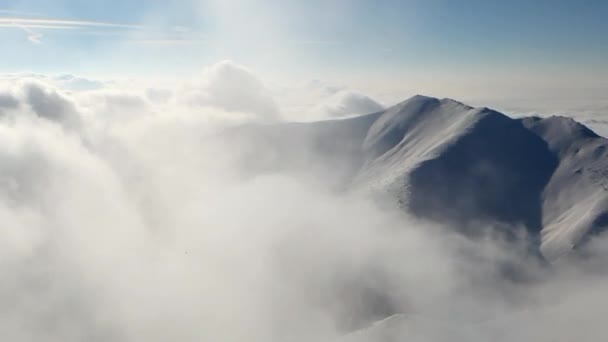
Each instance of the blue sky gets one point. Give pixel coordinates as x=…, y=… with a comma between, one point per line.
x=367, y=39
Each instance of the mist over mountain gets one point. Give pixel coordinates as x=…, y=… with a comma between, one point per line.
x=471, y=168
x=190, y=213
x=262, y=171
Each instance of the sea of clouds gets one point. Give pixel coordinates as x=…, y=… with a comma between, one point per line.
x=125, y=218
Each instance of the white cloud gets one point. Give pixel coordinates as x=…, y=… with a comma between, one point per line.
x=59, y=23
x=47, y=102
x=8, y=101
x=234, y=88
x=141, y=226
x=71, y=82
x=159, y=95
x=33, y=25
x=30, y=96
x=65, y=82
x=319, y=100
x=115, y=101
x=32, y=36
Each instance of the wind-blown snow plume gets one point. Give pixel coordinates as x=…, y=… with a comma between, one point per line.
x=347, y=103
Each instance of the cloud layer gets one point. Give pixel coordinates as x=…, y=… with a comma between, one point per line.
x=125, y=218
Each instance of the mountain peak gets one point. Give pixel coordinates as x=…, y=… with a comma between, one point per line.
x=573, y=126
x=428, y=102
x=420, y=97
x=564, y=124
x=448, y=101
x=416, y=100
x=559, y=132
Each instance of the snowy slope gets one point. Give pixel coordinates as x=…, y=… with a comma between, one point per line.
x=461, y=165
x=575, y=201
x=471, y=168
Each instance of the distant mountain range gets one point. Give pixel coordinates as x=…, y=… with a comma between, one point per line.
x=448, y=162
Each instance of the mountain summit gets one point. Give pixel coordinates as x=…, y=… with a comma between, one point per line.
x=467, y=167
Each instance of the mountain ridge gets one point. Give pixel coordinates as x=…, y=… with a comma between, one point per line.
x=468, y=167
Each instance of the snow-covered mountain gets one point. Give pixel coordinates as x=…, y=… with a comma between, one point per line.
x=575, y=201
x=469, y=167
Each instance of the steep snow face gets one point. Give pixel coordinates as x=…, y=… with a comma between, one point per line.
x=575, y=201
x=409, y=133
x=457, y=164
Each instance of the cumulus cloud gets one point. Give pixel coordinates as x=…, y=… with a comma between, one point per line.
x=100, y=237
x=115, y=104
x=150, y=223
x=8, y=101
x=42, y=100
x=234, y=88
x=47, y=103
x=320, y=100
